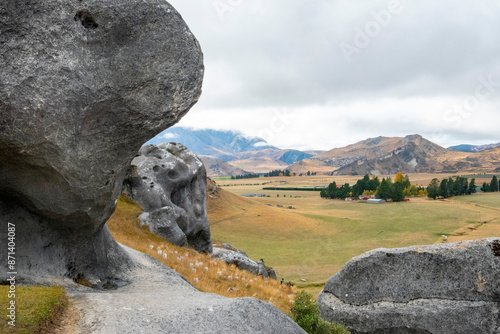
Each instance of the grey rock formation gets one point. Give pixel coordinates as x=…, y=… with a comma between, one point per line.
x=169, y=182
x=83, y=84
x=231, y=255
x=445, y=288
x=161, y=301
x=240, y=260
x=272, y=274
x=262, y=269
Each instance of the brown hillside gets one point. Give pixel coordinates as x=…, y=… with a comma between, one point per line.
x=260, y=161
x=389, y=155
x=218, y=168
x=229, y=212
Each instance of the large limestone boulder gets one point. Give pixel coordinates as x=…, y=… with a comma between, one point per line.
x=83, y=84
x=439, y=289
x=169, y=182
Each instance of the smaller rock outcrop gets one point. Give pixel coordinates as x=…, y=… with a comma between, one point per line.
x=169, y=183
x=232, y=255
x=212, y=188
x=444, y=288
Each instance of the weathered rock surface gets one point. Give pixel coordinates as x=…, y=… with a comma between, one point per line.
x=445, y=288
x=160, y=301
x=240, y=260
x=231, y=255
x=82, y=86
x=169, y=182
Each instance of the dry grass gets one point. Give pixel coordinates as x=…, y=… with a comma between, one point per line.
x=205, y=273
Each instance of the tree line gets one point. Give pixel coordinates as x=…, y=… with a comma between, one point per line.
x=492, y=186
x=458, y=186
x=279, y=172
x=451, y=187
x=385, y=189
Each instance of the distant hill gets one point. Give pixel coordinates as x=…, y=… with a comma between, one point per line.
x=293, y=156
x=473, y=148
x=251, y=154
x=218, y=168
x=389, y=155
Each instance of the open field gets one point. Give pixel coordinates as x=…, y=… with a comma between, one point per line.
x=314, y=240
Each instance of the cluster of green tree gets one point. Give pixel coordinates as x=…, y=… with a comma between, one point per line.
x=279, y=172
x=492, y=186
x=245, y=176
x=365, y=185
x=333, y=192
x=384, y=189
x=451, y=187
x=309, y=173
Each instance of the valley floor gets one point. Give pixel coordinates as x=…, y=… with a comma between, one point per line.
x=312, y=241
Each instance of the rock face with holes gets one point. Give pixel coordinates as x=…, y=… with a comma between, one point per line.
x=444, y=288
x=83, y=84
x=169, y=182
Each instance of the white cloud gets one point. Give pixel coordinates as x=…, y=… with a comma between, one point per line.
x=260, y=143
x=169, y=135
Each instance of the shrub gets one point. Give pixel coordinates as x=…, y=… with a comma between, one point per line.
x=305, y=313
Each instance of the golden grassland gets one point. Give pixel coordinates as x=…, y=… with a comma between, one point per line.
x=315, y=239
x=37, y=308
x=205, y=273
x=252, y=185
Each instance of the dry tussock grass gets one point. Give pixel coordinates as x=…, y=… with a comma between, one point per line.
x=205, y=273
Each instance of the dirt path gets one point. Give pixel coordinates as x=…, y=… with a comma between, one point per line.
x=160, y=301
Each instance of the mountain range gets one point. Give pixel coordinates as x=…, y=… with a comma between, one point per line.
x=229, y=153
x=218, y=148
x=389, y=155
x=473, y=148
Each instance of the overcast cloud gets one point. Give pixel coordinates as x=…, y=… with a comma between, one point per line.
x=323, y=74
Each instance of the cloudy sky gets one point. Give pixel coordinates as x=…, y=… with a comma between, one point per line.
x=327, y=73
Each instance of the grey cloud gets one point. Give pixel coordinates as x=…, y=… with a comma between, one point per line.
x=288, y=52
